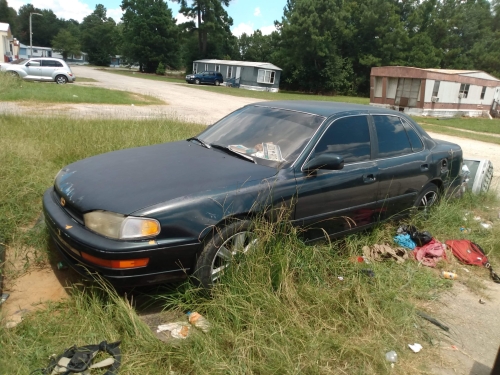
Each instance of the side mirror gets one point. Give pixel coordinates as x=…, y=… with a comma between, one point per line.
x=331, y=162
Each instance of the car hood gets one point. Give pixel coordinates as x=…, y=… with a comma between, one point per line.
x=128, y=180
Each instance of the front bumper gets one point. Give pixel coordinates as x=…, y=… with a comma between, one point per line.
x=169, y=260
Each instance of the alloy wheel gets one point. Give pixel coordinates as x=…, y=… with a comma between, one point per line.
x=428, y=199
x=238, y=244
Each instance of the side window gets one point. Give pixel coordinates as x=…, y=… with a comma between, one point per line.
x=348, y=137
x=58, y=64
x=415, y=141
x=392, y=138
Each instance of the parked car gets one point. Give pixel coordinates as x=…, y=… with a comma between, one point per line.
x=40, y=69
x=214, y=78
x=158, y=213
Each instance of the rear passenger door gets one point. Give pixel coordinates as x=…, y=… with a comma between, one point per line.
x=49, y=67
x=334, y=201
x=403, y=163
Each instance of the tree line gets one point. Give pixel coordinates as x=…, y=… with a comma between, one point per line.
x=324, y=46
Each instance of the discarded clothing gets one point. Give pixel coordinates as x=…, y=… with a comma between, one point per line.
x=405, y=241
x=419, y=238
x=430, y=253
x=382, y=252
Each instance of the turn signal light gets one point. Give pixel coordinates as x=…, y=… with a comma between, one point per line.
x=117, y=264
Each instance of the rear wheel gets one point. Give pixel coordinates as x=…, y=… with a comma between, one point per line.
x=61, y=80
x=197, y=81
x=217, y=83
x=428, y=197
x=227, y=245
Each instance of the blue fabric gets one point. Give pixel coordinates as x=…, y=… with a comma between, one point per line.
x=405, y=241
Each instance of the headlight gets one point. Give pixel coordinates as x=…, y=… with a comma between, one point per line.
x=121, y=227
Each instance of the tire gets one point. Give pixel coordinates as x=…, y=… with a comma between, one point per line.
x=428, y=197
x=221, y=249
x=196, y=81
x=13, y=74
x=217, y=83
x=61, y=80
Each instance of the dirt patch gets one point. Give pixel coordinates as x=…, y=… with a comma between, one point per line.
x=471, y=345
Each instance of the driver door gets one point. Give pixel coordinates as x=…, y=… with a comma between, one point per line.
x=335, y=201
x=34, y=69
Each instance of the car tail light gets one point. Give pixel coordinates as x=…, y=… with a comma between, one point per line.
x=117, y=264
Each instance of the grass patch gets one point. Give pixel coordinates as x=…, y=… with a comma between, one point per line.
x=458, y=133
x=281, y=95
x=153, y=77
x=283, y=310
x=16, y=90
x=474, y=124
x=84, y=79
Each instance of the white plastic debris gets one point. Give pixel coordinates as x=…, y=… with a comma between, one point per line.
x=199, y=321
x=391, y=356
x=486, y=225
x=416, y=347
x=178, y=330
x=477, y=218
x=340, y=278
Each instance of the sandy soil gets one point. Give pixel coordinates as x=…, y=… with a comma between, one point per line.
x=475, y=327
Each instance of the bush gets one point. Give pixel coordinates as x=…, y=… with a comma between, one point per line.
x=161, y=69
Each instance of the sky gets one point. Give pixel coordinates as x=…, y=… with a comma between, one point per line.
x=248, y=15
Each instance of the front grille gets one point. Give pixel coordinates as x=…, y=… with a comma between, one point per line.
x=70, y=209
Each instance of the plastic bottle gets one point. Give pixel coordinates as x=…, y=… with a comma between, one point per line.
x=199, y=321
x=449, y=275
x=391, y=356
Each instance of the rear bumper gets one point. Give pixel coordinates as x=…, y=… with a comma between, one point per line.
x=169, y=260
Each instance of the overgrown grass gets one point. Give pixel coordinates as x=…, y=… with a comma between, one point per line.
x=283, y=311
x=14, y=89
x=153, y=77
x=280, y=95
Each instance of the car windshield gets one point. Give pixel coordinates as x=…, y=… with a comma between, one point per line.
x=19, y=61
x=271, y=136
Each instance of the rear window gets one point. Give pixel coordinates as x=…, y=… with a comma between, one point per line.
x=52, y=63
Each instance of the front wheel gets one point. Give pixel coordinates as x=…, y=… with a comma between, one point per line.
x=61, y=80
x=13, y=74
x=428, y=197
x=222, y=249
x=217, y=83
x=196, y=81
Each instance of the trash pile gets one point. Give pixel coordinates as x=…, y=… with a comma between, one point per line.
x=181, y=330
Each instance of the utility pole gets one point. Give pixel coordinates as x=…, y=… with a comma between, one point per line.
x=31, y=34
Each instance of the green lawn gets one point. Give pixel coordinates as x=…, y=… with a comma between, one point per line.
x=281, y=95
x=483, y=125
x=16, y=90
x=136, y=74
x=282, y=311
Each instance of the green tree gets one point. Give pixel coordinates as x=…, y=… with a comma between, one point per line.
x=150, y=34
x=45, y=27
x=99, y=36
x=257, y=47
x=9, y=15
x=212, y=25
x=312, y=32
x=66, y=44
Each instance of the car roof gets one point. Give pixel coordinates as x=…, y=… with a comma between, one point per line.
x=45, y=58
x=323, y=108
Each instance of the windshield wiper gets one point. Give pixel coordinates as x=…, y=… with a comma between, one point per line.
x=229, y=151
x=204, y=144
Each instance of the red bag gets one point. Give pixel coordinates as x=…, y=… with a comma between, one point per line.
x=471, y=253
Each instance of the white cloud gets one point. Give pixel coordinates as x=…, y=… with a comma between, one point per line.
x=181, y=18
x=116, y=14
x=256, y=12
x=75, y=9
x=266, y=30
x=243, y=28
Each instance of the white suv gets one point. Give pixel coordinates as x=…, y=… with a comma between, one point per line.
x=40, y=69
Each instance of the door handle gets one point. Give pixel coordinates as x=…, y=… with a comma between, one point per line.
x=424, y=167
x=369, y=178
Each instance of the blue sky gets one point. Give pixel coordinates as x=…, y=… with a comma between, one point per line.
x=248, y=15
